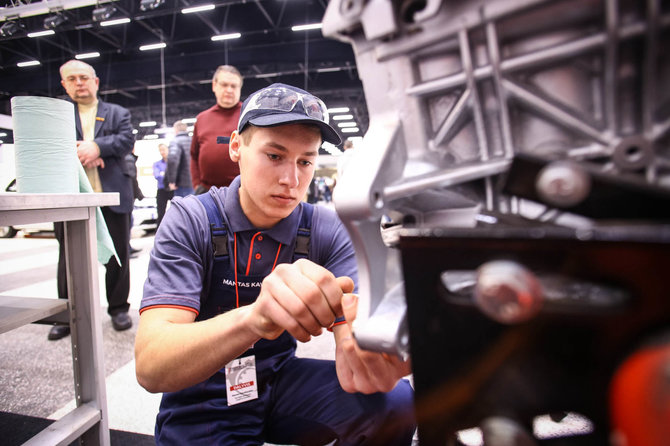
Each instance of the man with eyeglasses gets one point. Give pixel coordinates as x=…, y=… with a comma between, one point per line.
x=210, y=163
x=238, y=274
x=104, y=138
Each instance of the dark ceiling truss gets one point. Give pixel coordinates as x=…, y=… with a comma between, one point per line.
x=169, y=84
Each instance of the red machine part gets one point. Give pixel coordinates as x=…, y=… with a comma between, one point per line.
x=640, y=398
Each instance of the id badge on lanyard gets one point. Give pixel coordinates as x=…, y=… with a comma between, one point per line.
x=241, y=381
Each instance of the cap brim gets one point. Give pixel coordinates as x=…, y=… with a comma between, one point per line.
x=328, y=134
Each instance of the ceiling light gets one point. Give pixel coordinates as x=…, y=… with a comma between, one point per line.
x=346, y=124
x=263, y=76
x=54, y=21
x=148, y=5
x=342, y=117
x=328, y=70
x=115, y=21
x=188, y=120
x=197, y=9
x=28, y=63
x=87, y=55
x=338, y=110
x=103, y=13
x=349, y=130
x=10, y=28
x=47, y=32
x=331, y=148
x=226, y=36
x=306, y=27
x=148, y=124
x=151, y=136
x=153, y=46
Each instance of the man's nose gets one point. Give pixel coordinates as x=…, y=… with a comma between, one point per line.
x=289, y=176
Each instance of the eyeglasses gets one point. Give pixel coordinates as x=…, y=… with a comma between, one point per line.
x=284, y=100
x=74, y=79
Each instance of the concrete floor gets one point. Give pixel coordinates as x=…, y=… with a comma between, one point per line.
x=37, y=377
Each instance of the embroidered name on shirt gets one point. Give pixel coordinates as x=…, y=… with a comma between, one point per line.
x=229, y=282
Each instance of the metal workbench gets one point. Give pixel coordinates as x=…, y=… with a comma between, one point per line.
x=89, y=420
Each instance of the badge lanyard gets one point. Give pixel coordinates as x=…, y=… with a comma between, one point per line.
x=241, y=379
x=251, y=248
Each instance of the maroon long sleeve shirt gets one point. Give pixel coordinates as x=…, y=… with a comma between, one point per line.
x=210, y=163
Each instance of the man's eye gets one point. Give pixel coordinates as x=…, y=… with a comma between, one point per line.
x=273, y=156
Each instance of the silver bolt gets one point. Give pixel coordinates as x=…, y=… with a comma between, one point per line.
x=563, y=184
x=507, y=292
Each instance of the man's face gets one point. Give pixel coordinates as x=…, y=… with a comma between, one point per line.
x=163, y=149
x=80, y=83
x=276, y=167
x=227, y=88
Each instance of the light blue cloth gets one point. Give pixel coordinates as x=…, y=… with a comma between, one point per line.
x=105, y=245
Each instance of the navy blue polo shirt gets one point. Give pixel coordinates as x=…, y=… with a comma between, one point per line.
x=182, y=253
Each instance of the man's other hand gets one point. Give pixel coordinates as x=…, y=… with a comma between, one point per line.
x=88, y=153
x=360, y=370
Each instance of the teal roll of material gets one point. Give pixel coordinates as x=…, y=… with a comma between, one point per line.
x=45, y=150
x=44, y=145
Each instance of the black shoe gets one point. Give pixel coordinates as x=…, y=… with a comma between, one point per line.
x=58, y=332
x=121, y=321
x=135, y=250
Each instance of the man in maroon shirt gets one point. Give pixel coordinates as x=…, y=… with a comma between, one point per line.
x=210, y=163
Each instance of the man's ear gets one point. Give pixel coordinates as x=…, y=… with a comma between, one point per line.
x=234, y=146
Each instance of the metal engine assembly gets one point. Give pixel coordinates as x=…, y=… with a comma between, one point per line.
x=518, y=163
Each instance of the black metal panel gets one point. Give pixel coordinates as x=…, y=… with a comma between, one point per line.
x=468, y=367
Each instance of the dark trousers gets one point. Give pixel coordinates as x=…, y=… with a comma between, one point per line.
x=300, y=403
x=117, y=278
x=162, y=198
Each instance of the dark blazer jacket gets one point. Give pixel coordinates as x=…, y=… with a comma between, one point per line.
x=178, y=170
x=114, y=136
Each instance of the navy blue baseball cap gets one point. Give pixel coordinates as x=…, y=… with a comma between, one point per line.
x=280, y=104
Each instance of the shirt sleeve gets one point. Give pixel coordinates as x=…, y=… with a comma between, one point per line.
x=178, y=264
x=116, y=137
x=158, y=172
x=172, y=162
x=195, y=155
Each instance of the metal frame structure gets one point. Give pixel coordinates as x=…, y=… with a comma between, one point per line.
x=89, y=421
x=456, y=89
x=518, y=159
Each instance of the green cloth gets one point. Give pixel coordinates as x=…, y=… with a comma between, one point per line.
x=105, y=245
